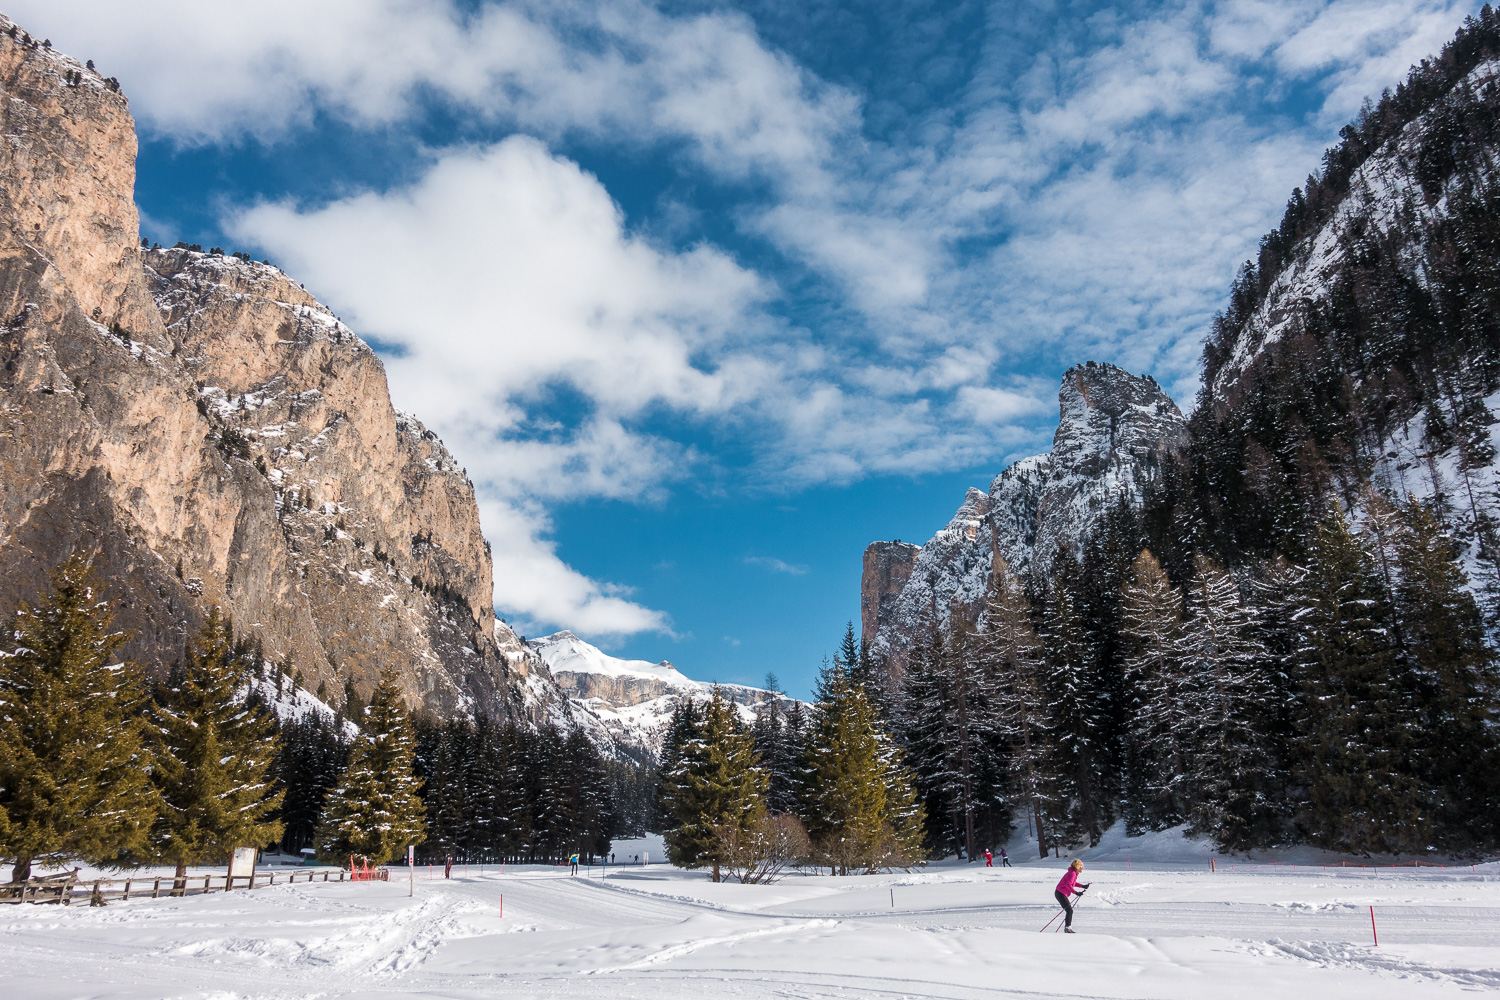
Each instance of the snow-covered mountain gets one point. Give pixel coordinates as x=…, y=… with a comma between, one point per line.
x=1114, y=431
x=633, y=699
x=1361, y=348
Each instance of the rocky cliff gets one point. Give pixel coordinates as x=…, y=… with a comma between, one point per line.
x=211, y=435
x=1115, y=430
x=887, y=567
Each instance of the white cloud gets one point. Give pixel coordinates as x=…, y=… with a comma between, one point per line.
x=505, y=271
x=776, y=565
x=1086, y=199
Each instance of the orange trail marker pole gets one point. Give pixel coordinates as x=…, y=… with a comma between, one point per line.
x=1373, y=932
x=1210, y=864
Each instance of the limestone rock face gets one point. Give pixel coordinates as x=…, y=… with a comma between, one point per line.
x=887, y=567
x=216, y=437
x=1114, y=431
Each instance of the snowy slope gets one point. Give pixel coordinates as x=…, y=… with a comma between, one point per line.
x=1385, y=195
x=1166, y=931
x=1114, y=428
x=632, y=699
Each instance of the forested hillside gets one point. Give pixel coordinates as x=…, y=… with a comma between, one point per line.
x=1282, y=628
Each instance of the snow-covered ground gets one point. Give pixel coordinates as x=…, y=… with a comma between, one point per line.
x=1158, y=929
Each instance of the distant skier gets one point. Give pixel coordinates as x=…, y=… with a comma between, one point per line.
x=989, y=859
x=1005, y=859
x=573, y=860
x=448, y=868
x=1066, y=888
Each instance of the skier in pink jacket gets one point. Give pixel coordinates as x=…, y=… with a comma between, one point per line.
x=1068, y=887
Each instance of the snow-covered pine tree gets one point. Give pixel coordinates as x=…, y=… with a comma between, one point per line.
x=788, y=768
x=551, y=805
x=213, y=755
x=951, y=735
x=1075, y=706
x=1456, y=678
x=1161, y=698
x=921, y=728
x=1231, y=795
x=682, y=729
x=446, y=798
x=1355, y=724
x=1012, y=651
x=715, y=791
x=592, y=812
x=868, y=672
x=74, y=768
x=770, y=733
x=374, y=811
x=311, y=756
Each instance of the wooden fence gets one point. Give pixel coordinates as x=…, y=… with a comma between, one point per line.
x=66, y=888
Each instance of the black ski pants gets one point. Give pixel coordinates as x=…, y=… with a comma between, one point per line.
x=1005, y=863
x=1066, y=904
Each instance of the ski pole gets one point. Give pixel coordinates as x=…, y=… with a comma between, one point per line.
x=1055, y=916
x=1075, y=907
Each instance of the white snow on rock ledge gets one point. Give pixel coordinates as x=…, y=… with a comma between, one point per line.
x=634, y=699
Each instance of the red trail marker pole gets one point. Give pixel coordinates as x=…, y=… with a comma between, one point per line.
x=1373, y=933
x=1210, y=864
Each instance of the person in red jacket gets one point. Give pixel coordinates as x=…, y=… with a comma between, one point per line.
x=989, y=859
x=1068, y=887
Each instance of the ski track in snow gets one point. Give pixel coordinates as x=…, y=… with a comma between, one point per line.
x=955, y=932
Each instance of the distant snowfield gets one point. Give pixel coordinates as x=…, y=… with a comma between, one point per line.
x=1167, y=930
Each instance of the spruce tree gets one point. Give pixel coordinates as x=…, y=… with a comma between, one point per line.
x=857, y=801
x=1161, y=698
x=213, y=757
x=788, y=766
x=1012, y=650
x=449, y=807
x=715, y=791
x=1456, y=752
x=374, y=810
x=311, y=756
x=953, y=740
x=74, y=764
x=1231, y=790
x=1355, y=730
x=1076, y=706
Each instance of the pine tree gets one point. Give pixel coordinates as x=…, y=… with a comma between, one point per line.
x=788, y=767
x=1456, y=753
x=213, y=757
x=311, y=756
x=1355, y=734
x=1162, y=698
x=953, y=740
x=682, y=728
x=857, y=800
x=1008, y=644
x=374, y=811
x=450, y=809
x=715, y=790
x=1231, y=793
x=74, y=767
x=1074, y=704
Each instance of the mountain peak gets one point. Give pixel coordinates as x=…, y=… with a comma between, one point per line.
x=1114, y=429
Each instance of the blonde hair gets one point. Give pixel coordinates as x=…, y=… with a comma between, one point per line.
x=1077, y=865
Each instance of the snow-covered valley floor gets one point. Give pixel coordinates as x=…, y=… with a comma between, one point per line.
x=951, y=931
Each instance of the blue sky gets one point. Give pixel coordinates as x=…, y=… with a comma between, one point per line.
x=706, y=296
